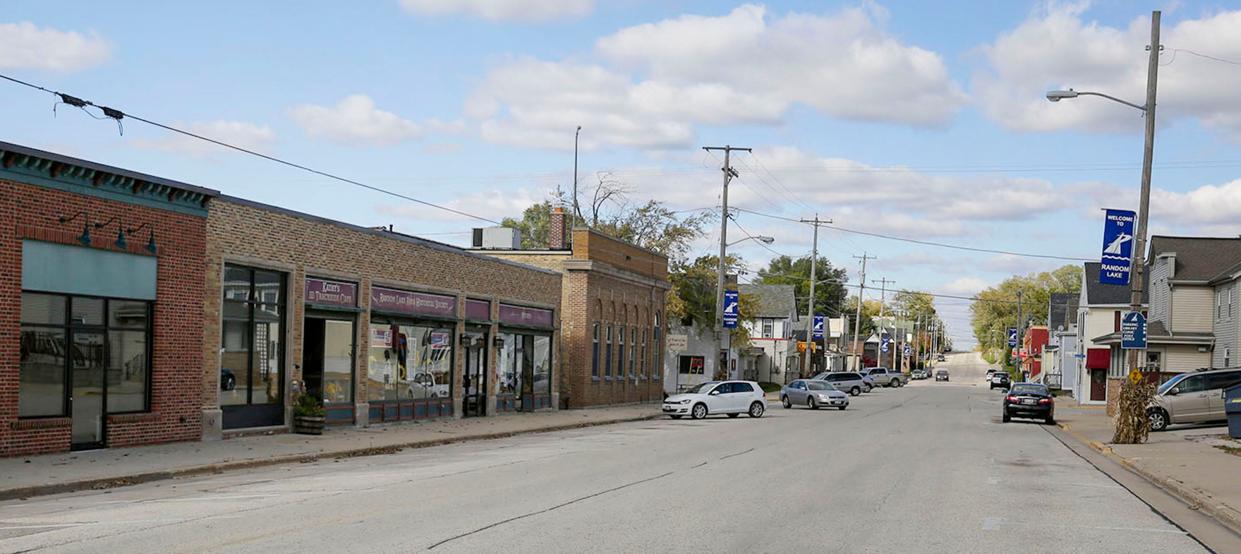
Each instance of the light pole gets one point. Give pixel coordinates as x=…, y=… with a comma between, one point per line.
x=577, y=211
x=1134, y=420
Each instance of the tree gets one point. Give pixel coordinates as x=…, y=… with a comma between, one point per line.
x=651, y=225
x=870, y=311
x=829, y=292
x=693, y=295
x=995, y=309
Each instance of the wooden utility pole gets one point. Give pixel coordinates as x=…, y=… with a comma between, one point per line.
x=722, y=356
x=857, y=322
x=814, y=262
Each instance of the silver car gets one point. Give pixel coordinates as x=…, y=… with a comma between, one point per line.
x=846, y=381
x=813, y=394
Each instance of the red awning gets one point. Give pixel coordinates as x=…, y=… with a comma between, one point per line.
x=1098, y=358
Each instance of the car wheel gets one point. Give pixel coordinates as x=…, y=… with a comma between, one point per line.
x=699, y=411
x=675, y=417
x=1051, y=420
x=843, y=407
x=895, y=383
x=1158, y=419
x=757, y=409
x=810, y=403
x=733, y=415
x=868, y=388
x=855, y=390
x=1006, y=418
x=785, y=401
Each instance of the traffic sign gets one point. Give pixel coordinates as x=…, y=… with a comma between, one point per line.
x=1133, y=331
x=1117, y=257
x=1135, y=376
x=1012, y=336
x=818, y=327
x=730, y=309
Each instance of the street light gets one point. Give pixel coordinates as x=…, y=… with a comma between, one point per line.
x=761, y=238
x=1058, y=95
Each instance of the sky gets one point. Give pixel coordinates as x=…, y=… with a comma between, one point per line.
x=922, y=120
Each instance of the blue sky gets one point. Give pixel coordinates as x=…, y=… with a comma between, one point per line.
x=919, y=119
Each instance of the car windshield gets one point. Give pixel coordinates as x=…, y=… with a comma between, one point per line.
x=1030, y=389
x=703, y=388
x=820, y=385
x=1169, y=384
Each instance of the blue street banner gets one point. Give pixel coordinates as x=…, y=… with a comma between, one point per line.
x=908, y=350
x=730, y=309
x=1133, y=331
x=1116, y=261
x=1012, y=336
x=883, y=345
x=818, y=328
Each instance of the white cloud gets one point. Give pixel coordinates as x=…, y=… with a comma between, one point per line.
x=650, y=88
x=26, y=46
x=1057, y=47
x=1217, y=207
x=237, y=133
x=963, y=286
x=492, y=204
x=354, y=120
x=502, y=10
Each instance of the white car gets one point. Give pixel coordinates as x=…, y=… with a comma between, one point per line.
x=718, y=397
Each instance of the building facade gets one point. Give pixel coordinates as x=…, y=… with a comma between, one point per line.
x=613, y=324
x=773, y=354
x=378, y=325
x=1098, y=315
x=100, y=299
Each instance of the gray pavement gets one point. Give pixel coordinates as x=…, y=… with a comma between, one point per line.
x=924, y=468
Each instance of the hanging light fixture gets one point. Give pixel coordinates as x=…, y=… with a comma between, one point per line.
x=150, y=241
x=120, y=233
x=85, y=236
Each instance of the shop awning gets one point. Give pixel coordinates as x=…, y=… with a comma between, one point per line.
x=1098, y=358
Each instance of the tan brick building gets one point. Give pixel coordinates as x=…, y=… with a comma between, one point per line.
x=612, y=325
x=380, y=325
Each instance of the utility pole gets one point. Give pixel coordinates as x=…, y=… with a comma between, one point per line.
x=1132, y=414
x=857, y=321
x=729, y=173
x=883, y=301
x=1021, y=330
x=577, y=210
x=814, y=262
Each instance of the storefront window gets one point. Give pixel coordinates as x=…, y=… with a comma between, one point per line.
x=252, y=338
x=60, y=333
x=409, y=361
x=542, y=364
x=337, y=362
x=507, y=371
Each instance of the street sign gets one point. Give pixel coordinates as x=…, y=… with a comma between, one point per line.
x=678, y=343
x=1133, y=331
x=730, y=309
x=1080, y=356
x=817, y=334
x=1135, y=376
x=1117, y=258
x=1012, y=336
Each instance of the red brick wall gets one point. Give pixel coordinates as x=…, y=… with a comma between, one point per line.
x=31, y=212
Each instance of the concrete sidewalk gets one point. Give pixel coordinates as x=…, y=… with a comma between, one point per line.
x=1199, y=464
x=27, y=476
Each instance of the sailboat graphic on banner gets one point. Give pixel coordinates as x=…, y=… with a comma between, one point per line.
x=1116, y=245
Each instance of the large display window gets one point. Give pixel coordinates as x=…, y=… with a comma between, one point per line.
x=524, y=371
x=252, y=347
x=409, y=361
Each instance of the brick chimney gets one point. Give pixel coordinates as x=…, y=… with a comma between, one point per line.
x=556, y=230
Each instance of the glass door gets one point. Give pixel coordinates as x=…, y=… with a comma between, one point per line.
x=474, y=399
x=88, y=361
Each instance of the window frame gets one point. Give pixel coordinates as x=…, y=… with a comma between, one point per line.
x=69, y=328
x=253, y=303
x=594, y=352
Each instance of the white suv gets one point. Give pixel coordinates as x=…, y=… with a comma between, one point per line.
x=718, y=397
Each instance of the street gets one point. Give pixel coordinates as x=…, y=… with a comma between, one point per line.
x=925, y=468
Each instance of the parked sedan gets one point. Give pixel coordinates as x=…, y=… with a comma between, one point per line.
x=845, y=381
x=812, y=394
x=717, y=397
x=1000, y=380
x=917, y=374
x=1031, y=401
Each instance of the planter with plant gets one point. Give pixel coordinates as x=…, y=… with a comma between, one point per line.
x=308, y=415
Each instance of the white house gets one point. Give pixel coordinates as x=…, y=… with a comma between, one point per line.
x=1098, y=315
x=773, y=352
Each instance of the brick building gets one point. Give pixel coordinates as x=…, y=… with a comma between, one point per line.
x=100, y=300
x=381, y=326
x=613, y=323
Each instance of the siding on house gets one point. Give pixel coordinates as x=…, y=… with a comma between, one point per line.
x=1191, y=309
x=1181, y=358
x=1225, y=324
x=1160, y=289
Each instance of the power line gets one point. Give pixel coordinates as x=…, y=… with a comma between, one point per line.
x=118, y=115
x=1201, y=55
x=926, y=242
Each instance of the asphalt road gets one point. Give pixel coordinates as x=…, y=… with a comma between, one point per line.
x=924, y=468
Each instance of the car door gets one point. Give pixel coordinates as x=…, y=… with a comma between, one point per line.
x=719, y=399
x=1191, y=402
x=742, y=395
x=1216, y=383
x=794, y=392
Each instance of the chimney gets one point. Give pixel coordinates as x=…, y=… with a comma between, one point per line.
x=556, y=230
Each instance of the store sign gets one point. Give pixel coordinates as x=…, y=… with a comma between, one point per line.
x=331, y=293
x=381, y=337
x=477, y=310
x=440, y=340
x=412, y=303
x=526, y=317
x=678, y=343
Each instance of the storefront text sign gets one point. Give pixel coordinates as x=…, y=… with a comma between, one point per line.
x=331, y=293
x=527, y=317
x=413, y=303
x=477, y=310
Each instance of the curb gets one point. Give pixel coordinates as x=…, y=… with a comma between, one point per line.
x=103, y=483
x=1194, y=499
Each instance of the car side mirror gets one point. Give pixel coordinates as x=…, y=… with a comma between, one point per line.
x=1173, y=392
x=714, y=393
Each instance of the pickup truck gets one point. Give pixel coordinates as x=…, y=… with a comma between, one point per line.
x=885, y=377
